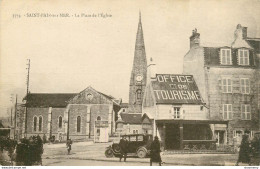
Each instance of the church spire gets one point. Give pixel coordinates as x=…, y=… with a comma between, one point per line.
x=140, y=17
x=139, y=72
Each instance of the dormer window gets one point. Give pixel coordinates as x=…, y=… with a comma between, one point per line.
x=243, y=57
x=225, y=55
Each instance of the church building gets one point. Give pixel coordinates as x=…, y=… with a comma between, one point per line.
x=78, y=116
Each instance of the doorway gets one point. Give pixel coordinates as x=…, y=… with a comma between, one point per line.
x=172, y=137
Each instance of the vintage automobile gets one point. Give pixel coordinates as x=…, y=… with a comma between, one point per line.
x=138, y=144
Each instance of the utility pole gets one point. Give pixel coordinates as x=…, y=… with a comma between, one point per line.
x=11, y=116
x=15, y=113
x=27, y=92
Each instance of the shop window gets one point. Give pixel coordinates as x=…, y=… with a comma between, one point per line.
x=40, y=123
x=226, y=85
x=245, y=85
x=78, y=123
x=227, y=111
x=245, y=112
x=243, y=57
x=226, y=58
x=35, y=123
x=60, y=122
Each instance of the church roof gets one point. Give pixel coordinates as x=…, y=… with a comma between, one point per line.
x=131, y=118
x=176, y=89
x=48, y=99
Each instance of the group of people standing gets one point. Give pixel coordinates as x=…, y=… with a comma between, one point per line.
x=154, y=154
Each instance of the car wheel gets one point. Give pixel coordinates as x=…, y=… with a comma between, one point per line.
x=109, y=153
x=116, y=148
x=141, y=153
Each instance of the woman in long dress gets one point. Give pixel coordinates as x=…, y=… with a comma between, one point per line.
x=155, y=152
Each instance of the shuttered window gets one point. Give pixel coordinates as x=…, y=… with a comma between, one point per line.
x=245, y=112
x=226, y=58
x=227, y=111
x=226, y=85
x=243, y=57
x=245, y=85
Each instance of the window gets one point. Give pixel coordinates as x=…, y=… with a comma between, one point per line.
x=40, y=123
x=135, y=131
x=138, y=94
x=176, y=112
x=226, y=57
x=243, y=57
x=245, y=112
x=34, y=123
x=227, y=111
x=60, y=122
x=98, y=132
x=245, y=85
x=78, y=123
x=226, y=85
x=98, y=118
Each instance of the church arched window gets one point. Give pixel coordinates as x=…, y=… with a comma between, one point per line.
x=34, y=123
x=40, y=123
x=78, y=123
x=98, y=118
x=138, y=94
x=60, y=122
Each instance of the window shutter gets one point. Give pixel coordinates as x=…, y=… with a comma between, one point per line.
x=220, y=84
x=251, y=58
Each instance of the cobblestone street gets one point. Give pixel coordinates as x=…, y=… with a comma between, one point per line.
x=88, y=153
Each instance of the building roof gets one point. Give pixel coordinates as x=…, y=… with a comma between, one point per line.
x=176, y=89
x=48, y=99
x=212, y=57
x=131, y=118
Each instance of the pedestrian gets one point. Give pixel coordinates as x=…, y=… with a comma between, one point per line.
x=69, y=143
x=123, y=144
x=155, y=152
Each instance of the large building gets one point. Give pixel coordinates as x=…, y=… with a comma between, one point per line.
x=227, y=76
x=75, y=115
x=177, y=113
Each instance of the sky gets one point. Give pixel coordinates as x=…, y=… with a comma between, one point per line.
x=71, y=53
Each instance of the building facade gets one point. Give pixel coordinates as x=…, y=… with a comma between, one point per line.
x=72, y=115
x=179, y=117
x=228, y=79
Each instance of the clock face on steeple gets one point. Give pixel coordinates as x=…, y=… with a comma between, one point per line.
x=139, y=78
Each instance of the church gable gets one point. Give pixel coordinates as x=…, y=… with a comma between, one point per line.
x=91, y=96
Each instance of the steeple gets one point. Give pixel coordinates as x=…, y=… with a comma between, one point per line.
x=139, y=72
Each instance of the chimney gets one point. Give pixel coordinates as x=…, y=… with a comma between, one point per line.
x=194, y=39
x=241, y=32
x=244, y=30
x=151, y=70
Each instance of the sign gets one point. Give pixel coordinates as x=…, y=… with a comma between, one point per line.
x=169, y=88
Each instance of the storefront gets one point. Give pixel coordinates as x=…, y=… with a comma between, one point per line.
x=188, y=134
